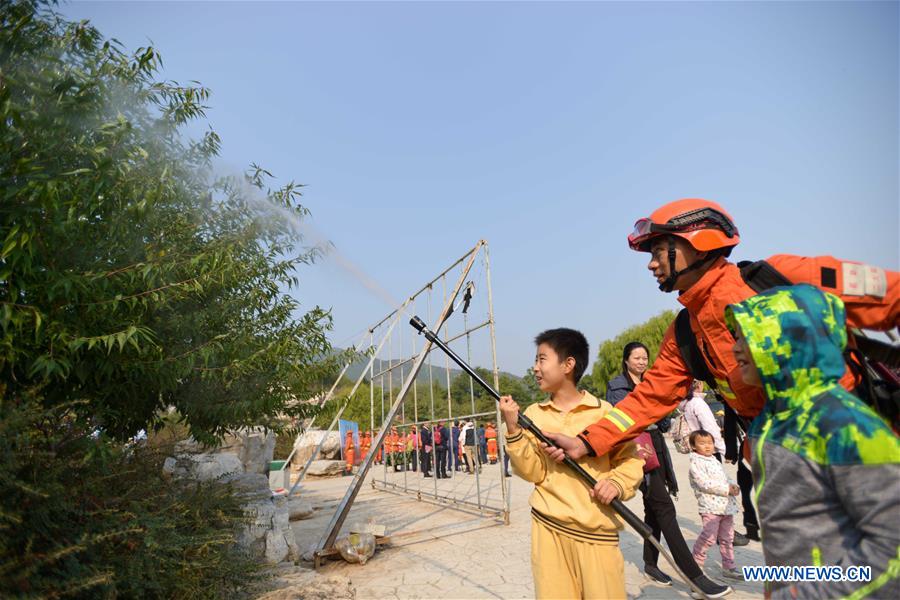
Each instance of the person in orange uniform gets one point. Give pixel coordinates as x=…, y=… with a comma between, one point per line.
x=490, y=434
x=365, y=443
x=689, y=242
x=349, y=453
x=391, y=447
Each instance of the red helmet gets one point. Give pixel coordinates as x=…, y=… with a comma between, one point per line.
x=704, y=224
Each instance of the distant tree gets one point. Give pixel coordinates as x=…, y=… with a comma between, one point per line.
x=609, y=355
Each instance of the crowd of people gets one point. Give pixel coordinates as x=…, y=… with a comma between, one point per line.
x=809, y=420
x=434, y=449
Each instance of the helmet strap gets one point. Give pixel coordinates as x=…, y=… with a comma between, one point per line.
x=668, y=285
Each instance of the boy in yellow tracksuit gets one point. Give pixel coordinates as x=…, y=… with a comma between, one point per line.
x=574, y=541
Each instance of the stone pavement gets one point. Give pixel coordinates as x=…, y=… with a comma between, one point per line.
x=448, y=553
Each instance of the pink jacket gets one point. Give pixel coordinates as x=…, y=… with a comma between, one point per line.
x=699, y=415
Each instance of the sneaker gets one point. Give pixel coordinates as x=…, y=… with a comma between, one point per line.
x=733, y=573
x=740, y=539
x=654, y=574
x=710, y=588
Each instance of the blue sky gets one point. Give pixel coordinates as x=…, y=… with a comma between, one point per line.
x=547, y=129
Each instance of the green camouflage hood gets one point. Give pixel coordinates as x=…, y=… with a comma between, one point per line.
x=823, y=461
x=796, y=336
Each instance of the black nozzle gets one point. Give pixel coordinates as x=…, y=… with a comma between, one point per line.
x=418, y=323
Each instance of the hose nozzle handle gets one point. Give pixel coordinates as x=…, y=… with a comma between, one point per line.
x=418, y=323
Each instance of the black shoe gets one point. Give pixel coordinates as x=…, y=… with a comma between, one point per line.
x=654, y=574
x=427, y=475
x=710, y=588
x=508, y=474
x=740, y=539
x=752, y=533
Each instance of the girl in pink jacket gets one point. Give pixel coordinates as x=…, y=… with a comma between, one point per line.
x=716, y=500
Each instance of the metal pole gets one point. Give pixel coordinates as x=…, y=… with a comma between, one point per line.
x=477, y=459
x=371, y=391
x=405, y=437
x=431, y=392
x=449, y=394
x=380, y=426
x=501, y=439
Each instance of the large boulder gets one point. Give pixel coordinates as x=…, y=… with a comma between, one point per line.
x=326, y=468
x=305, y=445
x=268, y=534
x=202, y=467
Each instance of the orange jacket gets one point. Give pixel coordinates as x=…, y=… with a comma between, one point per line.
x=871, y=297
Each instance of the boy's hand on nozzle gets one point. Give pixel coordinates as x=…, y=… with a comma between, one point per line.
x=604, y=492
x=733, y=490
x=509, y=410
x=565, y=446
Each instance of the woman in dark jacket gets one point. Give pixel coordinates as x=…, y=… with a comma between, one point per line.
x=659, y=510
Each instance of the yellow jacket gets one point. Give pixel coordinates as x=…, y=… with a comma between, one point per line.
x=558, y=492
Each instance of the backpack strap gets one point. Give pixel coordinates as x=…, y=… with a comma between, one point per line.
x=761, y=276
x=690, y=351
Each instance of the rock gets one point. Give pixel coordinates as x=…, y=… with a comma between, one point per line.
x=299, y=509
x=276, y=547
x=269, y=534
x=326, y=468
x=309, y=553
x=253, y=445
x=168, y=469
x=282, y=524
x=191, y=446
x=282, y=518
x=202, y=467
x=250, y=485
x=306, y=444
